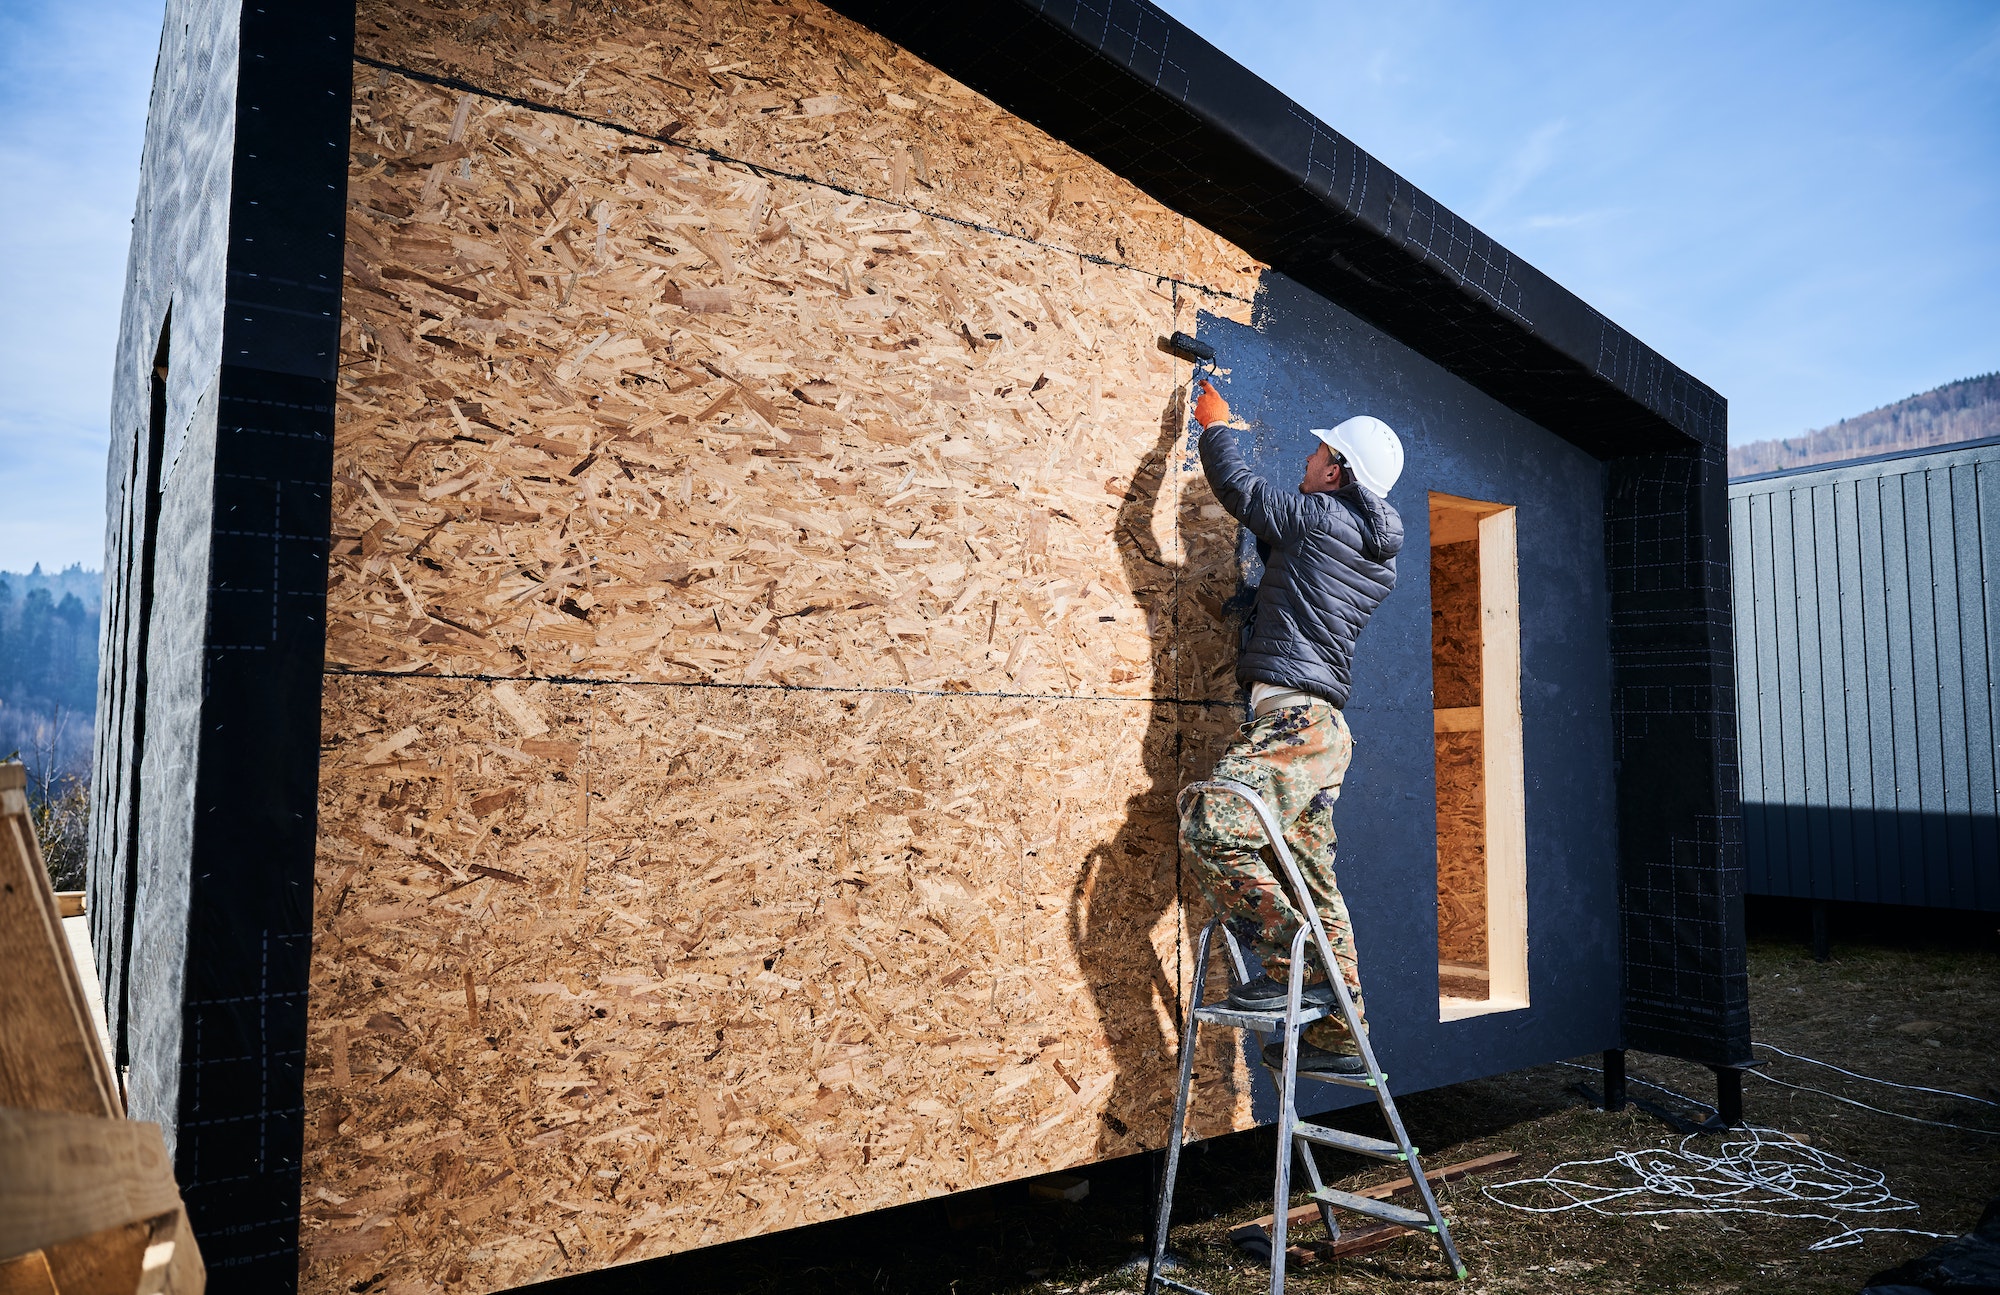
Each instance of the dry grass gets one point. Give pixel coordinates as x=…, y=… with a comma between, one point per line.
x=1923, y=1015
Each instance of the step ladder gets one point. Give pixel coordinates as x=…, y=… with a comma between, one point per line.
x=1293, y=1132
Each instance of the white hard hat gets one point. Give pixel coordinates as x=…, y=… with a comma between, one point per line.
x=1371, y=449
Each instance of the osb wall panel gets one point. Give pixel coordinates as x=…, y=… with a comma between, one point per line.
x=648, y=416
x=799, y=89
x=824, y=600
x=608, y=971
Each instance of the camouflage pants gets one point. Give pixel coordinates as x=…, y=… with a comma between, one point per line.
x=1295, y=758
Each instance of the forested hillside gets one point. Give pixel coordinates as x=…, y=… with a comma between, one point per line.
x=1958, y=411
x=48, y=664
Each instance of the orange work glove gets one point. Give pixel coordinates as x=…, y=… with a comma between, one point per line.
x=1210, y=408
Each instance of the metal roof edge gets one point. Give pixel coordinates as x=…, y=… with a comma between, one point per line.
x=1872, y=460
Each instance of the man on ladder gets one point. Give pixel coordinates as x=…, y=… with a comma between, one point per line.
x=1329, y=552
x=1329, y=560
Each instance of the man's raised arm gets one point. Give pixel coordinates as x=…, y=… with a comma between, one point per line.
x=1273, y=515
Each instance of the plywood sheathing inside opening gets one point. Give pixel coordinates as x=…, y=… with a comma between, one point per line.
x=1461, y=792
x=607, y=971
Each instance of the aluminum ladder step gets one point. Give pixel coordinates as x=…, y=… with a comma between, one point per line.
x=1345, y=1141
x=1345, y=1081
x=1265, y=1022
x=1374, y=1209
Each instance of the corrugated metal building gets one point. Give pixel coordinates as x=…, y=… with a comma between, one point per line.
x=1867, y=654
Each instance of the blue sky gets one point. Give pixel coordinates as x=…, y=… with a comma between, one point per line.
x=74, y=78
x=1799, y=203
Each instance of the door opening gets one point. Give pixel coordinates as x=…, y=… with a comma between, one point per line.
x=1476, y=693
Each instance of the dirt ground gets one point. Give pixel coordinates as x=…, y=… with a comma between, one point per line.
x=1913, y=1001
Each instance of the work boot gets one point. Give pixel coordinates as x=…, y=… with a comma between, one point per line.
x=1315, y=1060
x=1267, y=995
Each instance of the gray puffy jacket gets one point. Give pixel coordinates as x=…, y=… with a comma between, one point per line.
x=1329, y=561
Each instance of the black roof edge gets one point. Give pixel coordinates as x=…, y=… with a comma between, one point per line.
x=1127, y=85
x=1867, y=460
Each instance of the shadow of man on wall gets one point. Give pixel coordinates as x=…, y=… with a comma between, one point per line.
x=1131, y=886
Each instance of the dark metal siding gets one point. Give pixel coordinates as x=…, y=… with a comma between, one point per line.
x=1867, y=659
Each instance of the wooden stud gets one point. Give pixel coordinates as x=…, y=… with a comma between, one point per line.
x=1482, y=851
x=1506, y=807
x=1368, y=1237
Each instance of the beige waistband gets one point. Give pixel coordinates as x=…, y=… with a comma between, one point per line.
x=1264, y=702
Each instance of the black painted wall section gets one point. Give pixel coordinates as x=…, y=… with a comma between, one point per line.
x=226, y=823
x=1308, y=363
x=1143, y=94
x=250, y=904
x=1680, y=827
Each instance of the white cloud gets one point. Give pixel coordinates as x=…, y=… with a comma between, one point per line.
x=1573, y=219
x=1523, y=166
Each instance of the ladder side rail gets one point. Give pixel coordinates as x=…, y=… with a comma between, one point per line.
x=1235, y=947
x=1189, y=1030
x=1318, y=1185
x=1288, y=1115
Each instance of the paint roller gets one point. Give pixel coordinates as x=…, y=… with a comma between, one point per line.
x=1196, y=352
x=1191, y=349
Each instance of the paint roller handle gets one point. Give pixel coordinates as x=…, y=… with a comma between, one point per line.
x=1209, y=407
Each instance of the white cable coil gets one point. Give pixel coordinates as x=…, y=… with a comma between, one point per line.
x=1761, y=1171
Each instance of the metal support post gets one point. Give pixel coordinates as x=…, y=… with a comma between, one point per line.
x=1614, y=1079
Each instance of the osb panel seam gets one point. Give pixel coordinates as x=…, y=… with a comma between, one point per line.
x=789, y=85
x=1233, y=704
x=467, y=87
x=1040, y=507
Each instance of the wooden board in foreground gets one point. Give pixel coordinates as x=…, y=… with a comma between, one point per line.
x=88, y=1203
x=49, y=1056
x=1364, y=1239
x=88, y=1206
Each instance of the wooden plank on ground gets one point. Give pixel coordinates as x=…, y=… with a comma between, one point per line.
x=50, y=1059
x=1374, y=1235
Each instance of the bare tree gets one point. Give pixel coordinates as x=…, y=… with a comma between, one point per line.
x=58, y=801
